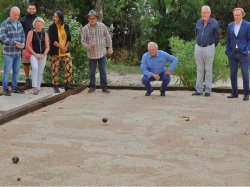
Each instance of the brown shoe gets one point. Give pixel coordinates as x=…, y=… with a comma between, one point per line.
x=6, y=93
x=91, y=90
x=105, y=90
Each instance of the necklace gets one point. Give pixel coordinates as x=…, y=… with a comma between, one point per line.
x=40, y=41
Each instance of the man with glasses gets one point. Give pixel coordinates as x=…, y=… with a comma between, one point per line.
x=95, y=38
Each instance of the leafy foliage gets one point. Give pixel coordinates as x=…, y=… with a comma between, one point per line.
x=186, y=68
x=222, y=11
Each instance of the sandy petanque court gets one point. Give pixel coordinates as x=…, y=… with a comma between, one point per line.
x=149, y=141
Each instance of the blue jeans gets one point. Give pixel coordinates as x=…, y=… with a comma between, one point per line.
x=102, y=69
x=234, y=61
x=163, y=77
x=11, y=63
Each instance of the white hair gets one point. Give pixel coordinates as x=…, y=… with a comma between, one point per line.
x=153, y=44
x=206, y=7
x=14, y=9
x=38, y=19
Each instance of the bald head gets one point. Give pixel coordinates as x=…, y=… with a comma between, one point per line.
x=14, y=14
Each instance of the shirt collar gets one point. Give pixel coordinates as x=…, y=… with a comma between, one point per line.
x=209, y=21
x=238, y=24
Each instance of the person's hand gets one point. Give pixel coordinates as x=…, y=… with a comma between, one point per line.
x=64, y=49
x=168, y=72
x=156, y=76
x=36, y=56
x=19, y=45
x=41, y=56
x=110, y=52
x=91, y=45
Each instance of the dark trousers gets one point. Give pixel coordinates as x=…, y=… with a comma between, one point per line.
x=102, y=70
x=234, y=62
x=163, y=77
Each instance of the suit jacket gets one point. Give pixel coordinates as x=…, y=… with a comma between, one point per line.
x=242, y=39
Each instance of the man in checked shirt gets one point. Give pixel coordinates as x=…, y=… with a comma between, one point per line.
x=95, y=38
x=13, y=39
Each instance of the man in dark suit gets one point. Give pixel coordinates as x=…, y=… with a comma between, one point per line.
x=237, y=50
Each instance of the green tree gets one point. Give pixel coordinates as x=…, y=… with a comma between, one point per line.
x=6, y=5
x=222, y=11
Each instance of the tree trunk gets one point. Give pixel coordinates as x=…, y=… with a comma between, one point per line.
x=98, y=9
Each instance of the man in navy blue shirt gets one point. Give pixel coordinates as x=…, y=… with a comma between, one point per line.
x=153, y=68
x=207, y=37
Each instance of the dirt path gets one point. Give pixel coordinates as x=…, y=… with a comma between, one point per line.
x=172, y=140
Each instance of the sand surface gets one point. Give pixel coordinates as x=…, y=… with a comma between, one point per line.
x=172, y=140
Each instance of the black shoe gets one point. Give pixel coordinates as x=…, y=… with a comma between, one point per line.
x=246, y=97
x=68, y=87
x=6, y=93
x=27, y=82
x=56, y=89
x=17, y=90
x=148, y=93
x=232, y=96
x=207, y=94
x=162, y=93
x=196, y=93
x=105, y=90
x=91, y=90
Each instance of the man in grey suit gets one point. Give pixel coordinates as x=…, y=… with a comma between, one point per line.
x=237, y=50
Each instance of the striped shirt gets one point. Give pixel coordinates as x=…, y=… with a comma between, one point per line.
x=99, y=36
x=9, y=35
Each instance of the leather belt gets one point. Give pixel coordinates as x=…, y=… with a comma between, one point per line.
x=205, y=45
x=236, y=50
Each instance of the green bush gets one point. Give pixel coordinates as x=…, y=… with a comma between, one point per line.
x=78, y=53
x=186, y=68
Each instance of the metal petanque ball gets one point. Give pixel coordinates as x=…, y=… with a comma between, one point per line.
x=15, y=159
x=104, y=120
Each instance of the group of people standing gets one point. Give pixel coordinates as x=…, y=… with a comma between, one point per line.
x=96, y=39
x=237, y=50
x=28, y=34
x=207, y=38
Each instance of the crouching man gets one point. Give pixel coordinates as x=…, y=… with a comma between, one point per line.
x=153, y=68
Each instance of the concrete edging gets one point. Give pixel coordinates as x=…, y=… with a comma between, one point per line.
x=38, y=105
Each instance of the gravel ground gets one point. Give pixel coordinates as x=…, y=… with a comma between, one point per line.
x=148, y=141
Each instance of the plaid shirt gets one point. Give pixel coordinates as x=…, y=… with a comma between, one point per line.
x=9, y=35
x=101, y=38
